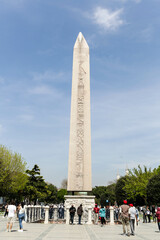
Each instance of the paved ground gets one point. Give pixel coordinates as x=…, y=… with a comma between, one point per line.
x=38, y=231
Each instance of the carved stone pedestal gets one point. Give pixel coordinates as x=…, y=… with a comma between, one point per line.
x=88, y=203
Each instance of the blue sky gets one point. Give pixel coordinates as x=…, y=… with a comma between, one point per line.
x=36, y=50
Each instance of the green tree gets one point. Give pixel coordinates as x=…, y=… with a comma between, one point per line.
x=60, y=195
x=36, y=188
x=153, y=190
x=99, y=193
x=110, y=193
x=52, y=194
x=136, y=183
x=120, y=191
x=12, y=174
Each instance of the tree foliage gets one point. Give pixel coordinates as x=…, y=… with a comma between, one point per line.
x=103, y=193
x=120, y=190
x=36, y=188
x=60, y=195
x=12, y=174
x=153, y=190
x=52, y=194
x=136, y=183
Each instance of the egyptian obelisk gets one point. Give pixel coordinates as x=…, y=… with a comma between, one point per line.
x=79, y=168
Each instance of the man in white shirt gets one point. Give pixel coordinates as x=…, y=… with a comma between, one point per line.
x=132, y=217
x=11, y=214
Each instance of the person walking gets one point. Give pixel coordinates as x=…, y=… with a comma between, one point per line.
x=102, y=214
x=72, y=211
x=124, y=211
x=132, y=217
x=107, y=214
x=6, y=210
x=158, y=217
x=148, y=214
x=79, y=212
x=11, y=215
x=21, y=216
x=116, y=210
x=144, y=214
x=96, y=214
x=153, y=213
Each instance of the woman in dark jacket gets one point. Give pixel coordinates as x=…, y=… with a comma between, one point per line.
x=158, y=217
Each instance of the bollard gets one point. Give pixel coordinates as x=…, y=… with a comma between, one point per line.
x=55, y=213
x=111, y=215
x=89, y=215
x=46, y=214
x=67, y=215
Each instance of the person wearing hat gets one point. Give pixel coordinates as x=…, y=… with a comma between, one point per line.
x=124, y=212
x=96, y=213
x=132, y=217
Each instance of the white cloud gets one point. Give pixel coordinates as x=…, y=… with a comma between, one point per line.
x=48, y=76
x=41, y=90
x=107, y=19
x=45, y=90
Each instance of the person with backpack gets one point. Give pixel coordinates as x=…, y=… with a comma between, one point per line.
x=124, y=211
x=96, y=214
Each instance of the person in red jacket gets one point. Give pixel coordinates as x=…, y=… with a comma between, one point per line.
x=96, y=213
x=158, y=217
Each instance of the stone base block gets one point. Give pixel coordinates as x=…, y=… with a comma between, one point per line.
x=88, y=203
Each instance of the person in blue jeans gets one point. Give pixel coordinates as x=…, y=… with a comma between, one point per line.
x=21, y=216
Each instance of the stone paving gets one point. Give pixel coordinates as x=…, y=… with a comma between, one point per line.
x=39, y=231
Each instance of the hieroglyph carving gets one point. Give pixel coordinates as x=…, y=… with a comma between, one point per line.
x=80, y=128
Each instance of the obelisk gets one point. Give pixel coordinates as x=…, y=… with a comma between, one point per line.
x=79, y=168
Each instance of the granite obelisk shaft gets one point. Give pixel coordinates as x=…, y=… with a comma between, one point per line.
x=79, y=168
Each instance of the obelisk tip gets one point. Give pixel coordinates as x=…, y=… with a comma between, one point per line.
x=80, y=41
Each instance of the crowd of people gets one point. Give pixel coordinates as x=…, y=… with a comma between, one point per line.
x=127, y=214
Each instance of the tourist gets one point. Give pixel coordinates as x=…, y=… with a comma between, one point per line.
x=79, y=212
x=102, y=214
x=116, y=210
x=144, y=214
x=124, y=211
x=72, y=211
x=137, y=214
x=148, y=214
x=96, y=214
x=107, y=213
x=153, y=213
x=51, y=210
x=11, y=215
x=132, y=217
x=6, y=210
x=21, y=216
x=158, y=217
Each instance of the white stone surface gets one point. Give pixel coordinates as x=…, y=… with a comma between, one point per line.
x=88, y=203
x=79, y=167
